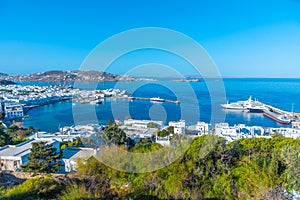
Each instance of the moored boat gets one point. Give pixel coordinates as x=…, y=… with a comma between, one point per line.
x=131, y=98
x=239, y=105
x=249, y=105
x=97, y=101
x=156, y=99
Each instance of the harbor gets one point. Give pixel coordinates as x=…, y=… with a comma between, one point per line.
x=254, y=106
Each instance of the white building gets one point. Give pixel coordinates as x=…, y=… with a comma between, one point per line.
x=14, y=156
x=13, y=110
x=287, y=132
x=179, y=126
x=72, y=154
x=142, y=123
x=81, y=130
x=296, y=124
x=164, y=141
x=224, y=130
x=202, y=128
x=54, y=136
x=250, y=130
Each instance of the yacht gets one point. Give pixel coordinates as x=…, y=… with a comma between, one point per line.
x=156, y=99
x=97, y=101
x=249, y=105
x=256, y=108
x=239, y=105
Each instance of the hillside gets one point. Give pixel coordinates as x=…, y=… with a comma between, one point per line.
x=257, y=168
x=70, y=76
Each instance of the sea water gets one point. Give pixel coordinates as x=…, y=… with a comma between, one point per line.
x=195, y=97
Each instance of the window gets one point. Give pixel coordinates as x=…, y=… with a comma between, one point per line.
x=16, y=163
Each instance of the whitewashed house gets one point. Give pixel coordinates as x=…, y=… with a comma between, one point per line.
x=13, y=156
x=224, y=130
x=164, y=141
x=13, y=110
x=72, y=154
x=142, y=123
x=179, y=126
x=202, y=128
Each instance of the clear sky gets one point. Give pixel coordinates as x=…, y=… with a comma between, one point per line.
x=257, y=38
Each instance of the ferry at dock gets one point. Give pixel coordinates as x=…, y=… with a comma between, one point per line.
x=248, y=105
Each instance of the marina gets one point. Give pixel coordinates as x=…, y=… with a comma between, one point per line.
x=255, y=106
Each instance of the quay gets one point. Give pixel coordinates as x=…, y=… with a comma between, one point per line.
x=278, y=110
x=280, y=116
x=281, y=112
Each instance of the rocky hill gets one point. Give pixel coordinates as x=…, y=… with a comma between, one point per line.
x=70, y=76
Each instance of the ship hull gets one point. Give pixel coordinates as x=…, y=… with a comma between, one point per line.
x=275, y=118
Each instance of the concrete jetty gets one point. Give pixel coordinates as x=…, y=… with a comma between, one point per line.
x=278, y=110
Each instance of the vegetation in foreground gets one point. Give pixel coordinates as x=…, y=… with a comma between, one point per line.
x=256, y=168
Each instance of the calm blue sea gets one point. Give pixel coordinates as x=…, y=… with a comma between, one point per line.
x=198, y=102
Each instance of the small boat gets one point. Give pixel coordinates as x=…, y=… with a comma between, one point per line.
x=156, y=99
x=282, y=119
x=98, y=101
x=187, y=80
x=131, y=98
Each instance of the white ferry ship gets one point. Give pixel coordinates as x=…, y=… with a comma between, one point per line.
x=248, y=105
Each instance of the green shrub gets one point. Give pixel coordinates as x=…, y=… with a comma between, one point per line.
x=75, y=191
x=35, y=188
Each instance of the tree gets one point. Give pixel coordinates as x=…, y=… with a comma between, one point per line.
x=5, y=139
x=152, y=125
x=171, y=129
x=145, y=145
x=110, y=122
x=163, y=133
x=112, y=134
x=291, y=156
x=75, y=143
x=43, y=158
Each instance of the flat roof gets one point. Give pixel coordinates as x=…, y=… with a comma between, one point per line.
x=19, y=149
x=73, y=153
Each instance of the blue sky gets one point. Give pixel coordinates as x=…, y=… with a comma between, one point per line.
x=258, y=38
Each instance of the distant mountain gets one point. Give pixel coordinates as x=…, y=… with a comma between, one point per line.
x=2, y=74
x=71, y=76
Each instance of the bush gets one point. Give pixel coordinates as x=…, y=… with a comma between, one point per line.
x=35, y=188
x=75, y=191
